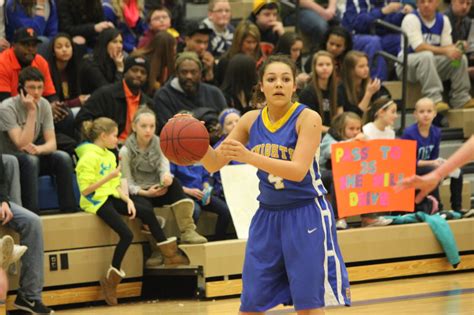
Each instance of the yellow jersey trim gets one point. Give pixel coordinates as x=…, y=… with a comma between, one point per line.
x=273, y=127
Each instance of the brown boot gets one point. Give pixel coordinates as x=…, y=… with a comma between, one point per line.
x=156, y=259
x=109, y=285
x=169, y=250
x=183, y=212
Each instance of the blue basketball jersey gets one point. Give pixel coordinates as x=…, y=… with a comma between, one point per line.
x=431, y=35
x=278, y=141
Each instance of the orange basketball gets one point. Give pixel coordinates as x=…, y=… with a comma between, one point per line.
x=184, y=141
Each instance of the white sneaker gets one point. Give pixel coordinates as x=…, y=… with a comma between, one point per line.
x=341, y=224
x=18, y=251
x=6, y=251
x=379, y=221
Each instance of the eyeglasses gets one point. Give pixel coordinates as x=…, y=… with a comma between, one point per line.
x=220, y=11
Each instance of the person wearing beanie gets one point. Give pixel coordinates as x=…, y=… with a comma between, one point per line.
x=265, y=14
x=186, y=91
x=120, y=100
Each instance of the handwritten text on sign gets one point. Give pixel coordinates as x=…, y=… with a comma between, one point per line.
x=364, y=173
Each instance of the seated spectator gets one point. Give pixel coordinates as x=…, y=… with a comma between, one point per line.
x=101, y=193
x=119, y=101
x=28, y=225
x=313, y=19
x=265, y=14
x=428, y=139
x=344, y=127
x=239, y=82
x=161, y=54
x=158, y=20
x=357, y=89
x=338, y=41
x=64, y=68
x=186, y=91
x=4, y=44
x=379, y=121
x=197, y=41
x=12, y=173
x=291, y=44
x=83, y=20
x=321, y=93
x=246, y=41
x=27, y=131
x=431, y=53
x=149, y=178
x=368, y=43
x=228, y=119
x=24, y=54
x=105, y=64
x=458, y=14
x=127, y=16
x=175, y=7
x=196, y=185
x=218, y=20
x=42, y=16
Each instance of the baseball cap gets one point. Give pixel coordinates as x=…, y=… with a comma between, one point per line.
x=25, y=34
x=195, y=27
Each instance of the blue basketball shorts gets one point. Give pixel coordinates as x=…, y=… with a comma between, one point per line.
x=292, y=258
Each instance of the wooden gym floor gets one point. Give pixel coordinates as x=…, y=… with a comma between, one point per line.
x=435, y=295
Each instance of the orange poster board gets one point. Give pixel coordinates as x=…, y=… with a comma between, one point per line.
x=364, y=173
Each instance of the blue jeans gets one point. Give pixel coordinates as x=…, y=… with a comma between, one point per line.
x=28, y=225
x=12, y=175
x=370, y=44
x=219, y=207
x=58, y=164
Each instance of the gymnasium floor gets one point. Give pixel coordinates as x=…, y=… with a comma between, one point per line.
x=435, y=295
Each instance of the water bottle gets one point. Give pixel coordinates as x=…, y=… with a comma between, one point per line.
x=456, y=63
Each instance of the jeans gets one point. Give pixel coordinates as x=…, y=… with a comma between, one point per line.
x=58, y=164
x=219, y=207
x=12, y=175
x=28, y=225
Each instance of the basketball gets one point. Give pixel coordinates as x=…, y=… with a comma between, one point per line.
x=184, y=141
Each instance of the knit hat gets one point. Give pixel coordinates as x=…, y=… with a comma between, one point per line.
x=136, y=61
x=259, y=4
x=187, y=55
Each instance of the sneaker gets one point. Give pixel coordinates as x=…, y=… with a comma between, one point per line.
x=469, y=104
x=32, y=306
x=379, y=221
x=341, y=224
x=18, y=251
x=442, y=107
x=6, y=251
x=469, y=214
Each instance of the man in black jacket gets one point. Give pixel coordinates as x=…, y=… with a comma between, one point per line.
x=28, y=225
x=119, y=101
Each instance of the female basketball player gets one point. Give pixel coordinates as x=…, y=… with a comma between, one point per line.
x=428, y=182
x=292, y=254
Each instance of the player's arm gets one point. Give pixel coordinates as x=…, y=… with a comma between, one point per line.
x=214, y=159
x=308, y=128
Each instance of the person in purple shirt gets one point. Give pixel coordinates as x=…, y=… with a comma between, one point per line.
x=428, y=138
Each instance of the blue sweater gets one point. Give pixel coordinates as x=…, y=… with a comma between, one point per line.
x=192, y=176
x=426, y=148
x=16, y=17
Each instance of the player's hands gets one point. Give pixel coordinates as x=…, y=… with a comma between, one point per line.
x=234, y=150
x=194, y=192
x=131, y=209
x=5, y=213
x=426, y=184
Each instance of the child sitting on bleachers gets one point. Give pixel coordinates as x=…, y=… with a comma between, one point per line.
x=158, y=19
x=428, y=138
x=344, y=127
